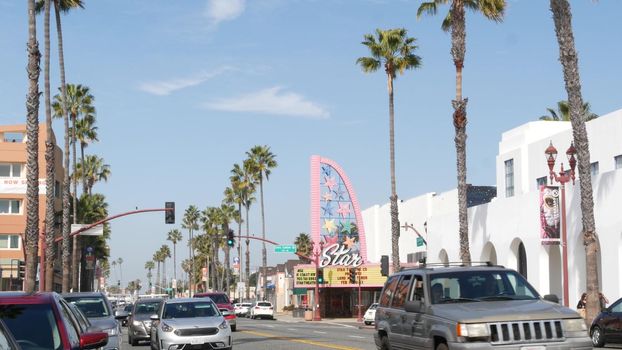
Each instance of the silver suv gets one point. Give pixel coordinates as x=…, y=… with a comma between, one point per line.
x=472, y=307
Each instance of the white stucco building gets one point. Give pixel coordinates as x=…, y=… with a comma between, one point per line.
x=506, y=230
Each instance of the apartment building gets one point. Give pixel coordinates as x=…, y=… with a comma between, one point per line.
x=13, y=157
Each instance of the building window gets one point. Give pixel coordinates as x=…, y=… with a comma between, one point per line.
x=594, y=168
x=618, y=161
x=10, y=170
x=509, y=178
x=541, y=181
x=13, y=137
x=10, y=206
x=9, y=241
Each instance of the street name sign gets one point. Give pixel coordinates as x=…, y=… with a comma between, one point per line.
x=285, y=248
x=419, y=241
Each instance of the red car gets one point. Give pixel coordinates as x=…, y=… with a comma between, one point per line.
x=53, y=319
x=224, y=305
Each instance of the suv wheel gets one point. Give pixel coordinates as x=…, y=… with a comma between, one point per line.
x=442, y=346
x=597, y=337
x=384, y=343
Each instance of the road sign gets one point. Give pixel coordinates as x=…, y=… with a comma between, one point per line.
x=93, y=231
x=419, y=241
x=285, y=248
x=236, y=260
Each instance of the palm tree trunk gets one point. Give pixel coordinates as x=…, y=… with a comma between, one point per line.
x=248, y=259
x=215, y=263
x=458, y=50
x=65, y=227
x=395, y=223
x=164, y=273
x=227, y=264
x=84, y=187
x=264, y=257
x=76, y=241
x=175, y=261
x=191, y=259
x=241, y=275
x=562, y=17
x=49, y=158
x=158, y=282
x=32, y=146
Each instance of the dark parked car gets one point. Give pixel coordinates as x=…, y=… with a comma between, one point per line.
x=139, y=322
x=45, y=321
x=96, y=307
x=607, y=326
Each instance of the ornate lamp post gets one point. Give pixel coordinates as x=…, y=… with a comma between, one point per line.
x=317, y=252
x=562, y=179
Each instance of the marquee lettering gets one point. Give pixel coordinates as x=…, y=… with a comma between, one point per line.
x=338, y=254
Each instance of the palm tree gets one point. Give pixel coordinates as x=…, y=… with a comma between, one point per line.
x=493, y=10
x=114, y=265
x=77, y=102
x=242, y=177
x=186, y=266
x=174, y=236
x=64, y=6
x=210, y=218
x=165, y=252
x=395, y=50
x=94, y=170
x=228, y=213
x=563, y=112
x=562, y=16
x=304, y=246
x=149, y=265
x=157, y=257
x=32, y=146
x=191, y=223
x=263, y=162
x=86, y=133
x=235, y=196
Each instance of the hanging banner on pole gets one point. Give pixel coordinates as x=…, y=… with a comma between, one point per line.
x=550, y=225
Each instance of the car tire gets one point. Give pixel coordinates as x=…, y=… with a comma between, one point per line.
x=598, y=339
x=233, y=328
x=367, y=323
x=384, y=343
x=131, y=340
x=442, y=346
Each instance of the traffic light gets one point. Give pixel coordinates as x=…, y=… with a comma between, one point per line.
x=320, y=276
x=384, y=265
x=352, y=275
x=21, y=269
x=169, y=215
x=230, y=238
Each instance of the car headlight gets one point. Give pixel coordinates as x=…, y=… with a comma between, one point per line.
x=472, y=330
x=574, y=325
x=166, y=328
x=112, y=331
x=137, y=323
x=223, y=325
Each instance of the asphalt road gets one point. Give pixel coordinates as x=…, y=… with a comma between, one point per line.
x=280, y=335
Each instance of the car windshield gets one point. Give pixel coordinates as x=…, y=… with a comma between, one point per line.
x=23, y=319
x=246, y=304
x=146, y=308
x=473, y=286
x=263, y=304
x=219, y=298
x=90, y=306
x=190, y=310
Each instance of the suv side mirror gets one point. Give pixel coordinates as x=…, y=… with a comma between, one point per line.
x=552, y=298
x=154, y=317
x=413, y=306
x=119, y=314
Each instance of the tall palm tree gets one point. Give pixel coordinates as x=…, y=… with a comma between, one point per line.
x=149, y=265
x=242, y=177
x=86, y=133
x=165, y=252
x=191, y=223
x=563, y=112
x=304, y=246
x=210, y=218
x=394, y=50
x=235, y=196
x=157, y=257
x=455, y=20
x=92, y=170
x=186, y=266
x=77, y=102
x=228, y=213
x=263, y=162
x=174, y=236
x=32, y=146
x=562, y=16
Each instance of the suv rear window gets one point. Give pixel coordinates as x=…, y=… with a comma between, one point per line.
x=264, y=304
x=90, y=306
x=146, y=308
x=23, y=319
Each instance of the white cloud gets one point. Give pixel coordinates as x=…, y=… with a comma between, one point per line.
x=271, y=101
x=224, y=10
x=162, y=88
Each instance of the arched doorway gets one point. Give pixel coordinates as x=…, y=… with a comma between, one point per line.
x=443, y=257
x=489, y=253
x=518, y=258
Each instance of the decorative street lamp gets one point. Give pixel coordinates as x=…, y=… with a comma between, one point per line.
x=562, y=178
x=317, y=252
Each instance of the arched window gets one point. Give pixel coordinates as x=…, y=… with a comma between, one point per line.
x=522, y=260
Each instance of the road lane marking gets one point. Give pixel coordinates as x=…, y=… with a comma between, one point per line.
x=342, y=325
x=319, y=332
x=356, y=336
x=299, y=340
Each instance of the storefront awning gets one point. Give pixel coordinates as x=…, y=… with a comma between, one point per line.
x=300, y=291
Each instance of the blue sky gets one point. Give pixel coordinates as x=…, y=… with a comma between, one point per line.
x=184, y=88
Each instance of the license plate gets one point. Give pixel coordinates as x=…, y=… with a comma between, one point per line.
x=533, y=347
x=196, y=341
